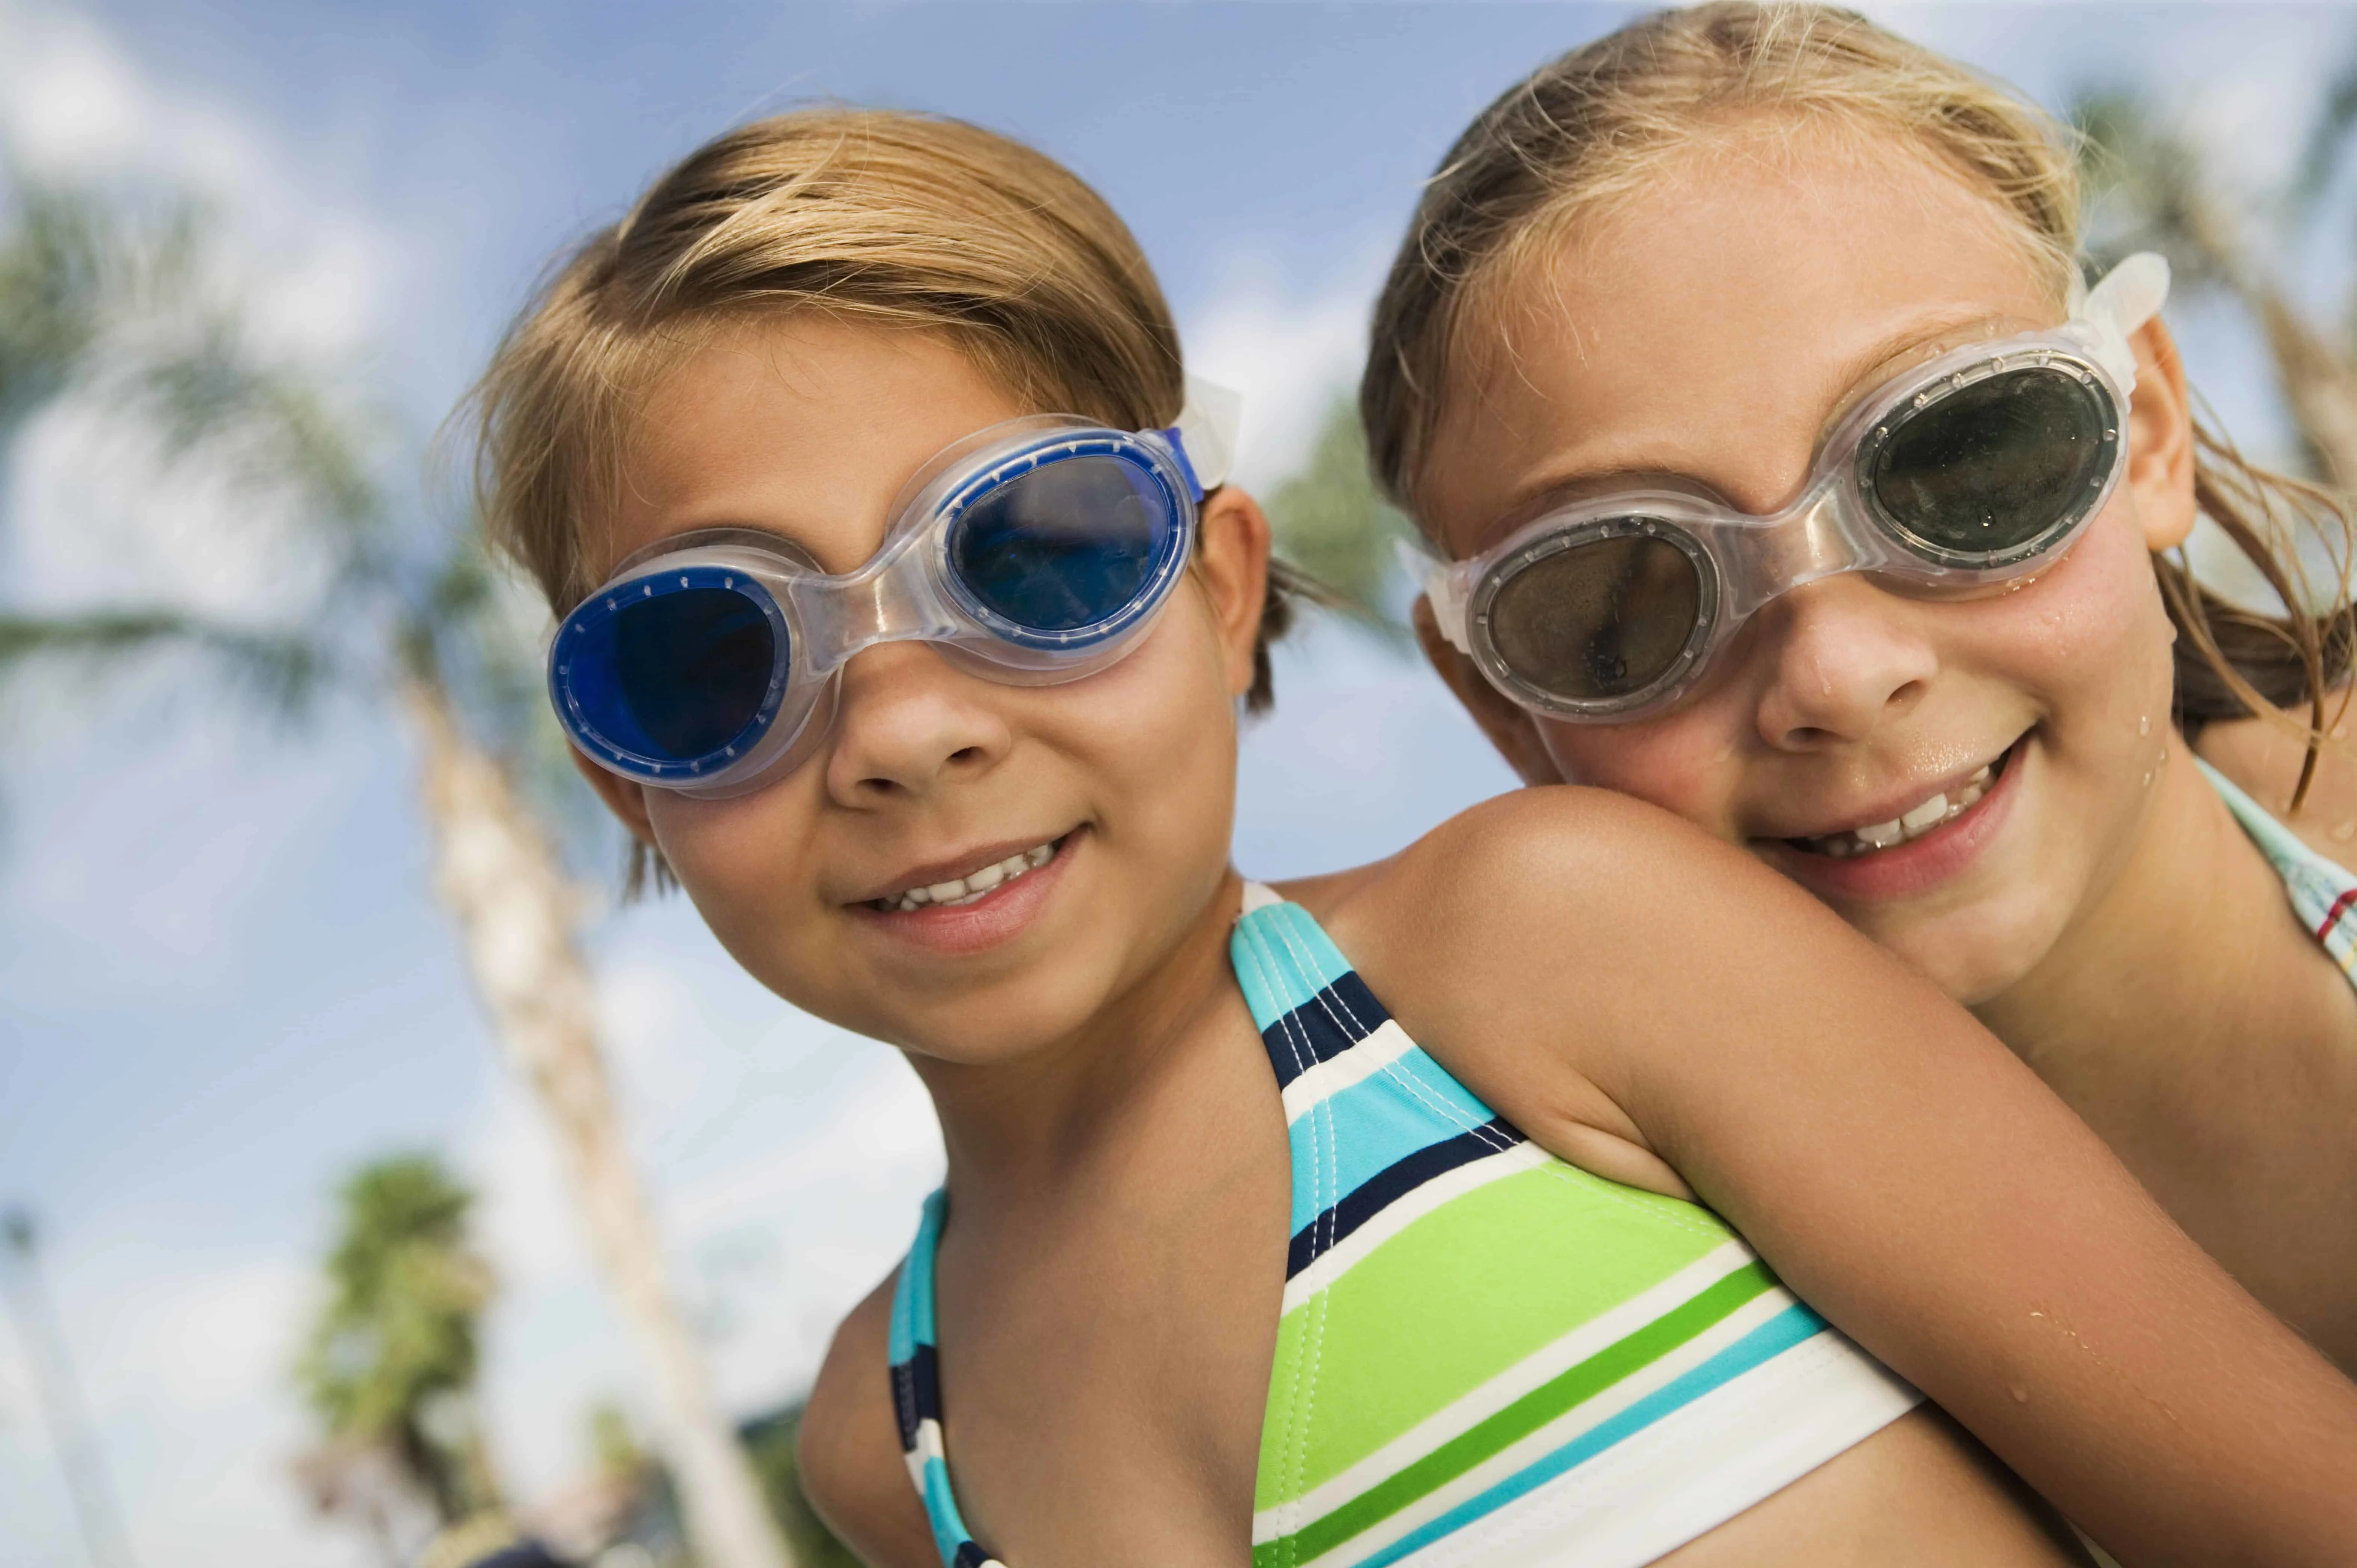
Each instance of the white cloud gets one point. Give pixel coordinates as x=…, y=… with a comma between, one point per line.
x=1291, y=350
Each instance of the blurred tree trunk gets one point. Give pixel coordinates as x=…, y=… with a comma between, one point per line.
x=500, y=880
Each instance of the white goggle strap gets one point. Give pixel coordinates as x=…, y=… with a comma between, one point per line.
x=1444, y=585
x=1207, y=429
x=2129, y=295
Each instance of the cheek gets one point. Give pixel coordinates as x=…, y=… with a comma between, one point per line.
x=736, y=859
x=2090, y=639
x=1159, y=732
x=1685, y=762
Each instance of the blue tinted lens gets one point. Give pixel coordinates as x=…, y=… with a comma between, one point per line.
x=1071, y=543
x=671, y=677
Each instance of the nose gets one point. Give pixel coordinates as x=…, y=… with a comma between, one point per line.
x=1841, y=656
x=909, y=724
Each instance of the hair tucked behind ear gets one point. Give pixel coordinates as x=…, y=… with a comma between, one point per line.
x=1588, y=129
x=901, y=222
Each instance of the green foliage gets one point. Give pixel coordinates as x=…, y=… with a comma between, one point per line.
x=2149, y=186
x=395, y=1345
x=1329, y=521
x=770, y=1442
x=118, y=302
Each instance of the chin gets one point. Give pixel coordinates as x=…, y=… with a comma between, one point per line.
x=1974, y=955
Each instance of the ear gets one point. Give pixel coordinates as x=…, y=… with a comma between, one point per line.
x=624, y=798
x=1231, y=555
x=1513, y=732
x=2160, y=439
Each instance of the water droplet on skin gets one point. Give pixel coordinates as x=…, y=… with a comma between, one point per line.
x=2144, y=724
x=2148, y=778
x=2345, y=832
x=2020, y=1394
x=2340, y=732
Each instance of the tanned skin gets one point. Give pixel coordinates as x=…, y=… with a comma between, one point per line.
x=1110, y=1275
x=2099, y=911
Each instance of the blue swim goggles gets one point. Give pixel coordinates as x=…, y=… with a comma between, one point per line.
x=1032, y=552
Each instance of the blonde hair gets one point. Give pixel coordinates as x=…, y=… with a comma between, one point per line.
x=900, y=220
x=1588, y=129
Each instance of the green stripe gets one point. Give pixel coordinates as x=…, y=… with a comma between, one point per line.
x=1462, y=1294
x=1547, y=1402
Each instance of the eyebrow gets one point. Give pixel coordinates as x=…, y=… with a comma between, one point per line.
x=1856, y=376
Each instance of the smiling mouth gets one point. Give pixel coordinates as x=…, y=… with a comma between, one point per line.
x=1927, y=816
x=973, y=886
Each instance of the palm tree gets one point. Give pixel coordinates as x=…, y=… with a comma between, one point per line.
x=2157, y=189
x=1329, y=521
x=101, y=303
x=391, y=1362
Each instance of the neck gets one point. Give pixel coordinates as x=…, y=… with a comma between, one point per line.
x=1019, y=1133
x=2142, y=970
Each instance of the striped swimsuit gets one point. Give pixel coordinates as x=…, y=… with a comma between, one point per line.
x=2323, y=895
x=1486, y=1356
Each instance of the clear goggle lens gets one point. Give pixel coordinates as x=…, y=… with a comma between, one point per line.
x=1988, y=476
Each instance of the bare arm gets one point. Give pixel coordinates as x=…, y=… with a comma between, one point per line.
x=849, y=1450
x=1594, y=968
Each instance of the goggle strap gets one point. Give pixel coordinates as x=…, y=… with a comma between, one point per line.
x=1444, y=586
x=1206, y=432
x=2129, y=295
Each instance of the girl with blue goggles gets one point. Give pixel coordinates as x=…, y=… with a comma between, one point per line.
x=1032, y=552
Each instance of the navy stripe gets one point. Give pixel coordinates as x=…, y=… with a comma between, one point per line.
x=916, y=1392
x=1322, y=1027
x=1391, y=1184
x=970, y=1555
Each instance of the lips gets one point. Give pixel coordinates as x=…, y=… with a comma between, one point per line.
x=971, y=887
x=1928, y=815
x=1872, y=863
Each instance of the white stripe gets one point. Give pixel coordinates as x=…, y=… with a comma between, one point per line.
x=1361, y=1062
x=1405, y=1210
x=1534, y=1370
x=1693, y=1470
x=929, y=1446
x=1260, y=895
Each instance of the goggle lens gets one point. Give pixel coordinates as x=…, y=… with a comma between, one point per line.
x=672, y=677
x=1070, y=544
x=1598, y=620
x=1995, y=469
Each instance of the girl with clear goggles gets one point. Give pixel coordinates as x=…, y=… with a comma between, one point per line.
x=1977, y=467
x=1033, y=552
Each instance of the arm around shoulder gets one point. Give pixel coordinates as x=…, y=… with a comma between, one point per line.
x=849, y=1451
x=1578, y=958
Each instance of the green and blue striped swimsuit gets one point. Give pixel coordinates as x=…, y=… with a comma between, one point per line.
x=1486, y=1356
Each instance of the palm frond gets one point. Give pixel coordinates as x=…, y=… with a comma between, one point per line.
x=2328, y=143
x=2151, y=188
x=1329, y=521
x=280, y=672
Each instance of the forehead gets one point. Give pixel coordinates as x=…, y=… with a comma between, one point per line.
x=804, y=426
x=1708, y=324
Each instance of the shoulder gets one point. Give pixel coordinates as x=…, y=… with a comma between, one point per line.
x=1550, y=873
x=849, y=1451
x=2264, y=759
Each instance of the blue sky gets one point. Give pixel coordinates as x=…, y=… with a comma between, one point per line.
x=222, y=978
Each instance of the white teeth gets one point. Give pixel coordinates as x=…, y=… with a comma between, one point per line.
x=973, y=886
x=1937, y=811
x=1931, y=811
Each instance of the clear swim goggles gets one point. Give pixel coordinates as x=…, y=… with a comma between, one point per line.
x=1034, y=551
x=1977, y=467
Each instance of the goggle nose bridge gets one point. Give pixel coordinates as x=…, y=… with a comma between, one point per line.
x=1818, y=536
x=890, y=598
